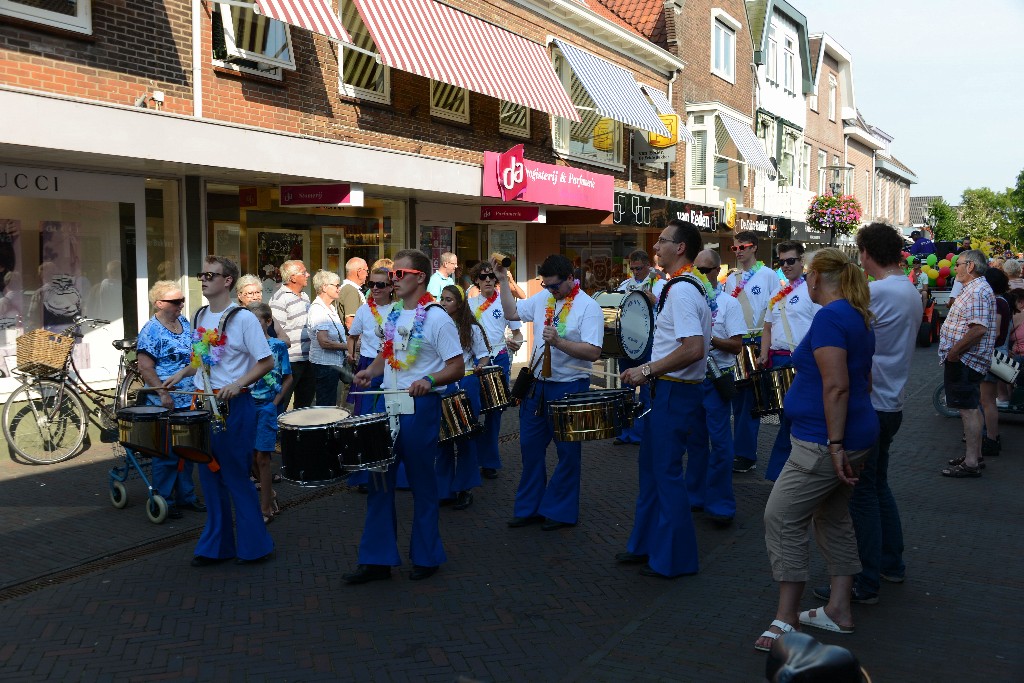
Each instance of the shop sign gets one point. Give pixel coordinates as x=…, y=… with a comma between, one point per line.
x=704, y=217
x=512, y=178
x=751, y=222
x=29, y=181
x=324, y=194
x=550, y=184
x=632, y=209
x=513, y=213
x=642, y=210
x=645, y=153
x=671, y=122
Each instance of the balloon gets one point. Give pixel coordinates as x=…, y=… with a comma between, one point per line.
x=910, y=259
x=932, y=282
x=944, y=271
x=944, y=263
x=941, y=282
x=950, y=256
x=932, y=259
x=952, y=261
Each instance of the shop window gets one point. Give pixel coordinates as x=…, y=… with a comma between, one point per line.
x=71, y=15
x=251, y=41
x=593, y=139
x=362, y=75
x=514, y=119
x=449, y=102
x=163, y=233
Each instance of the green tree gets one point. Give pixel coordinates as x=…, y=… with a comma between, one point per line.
x=947, y=225
x=1016, y=199
x=987, y=213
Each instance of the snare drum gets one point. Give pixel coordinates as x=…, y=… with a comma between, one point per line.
x=493, y=389
x=746, y=362
x=770, y=387
x=366, y=443
x=189, y=433
x=143, y=429
x=591, y=415
x=457, y=419
x=310, y=445
x=628, y=324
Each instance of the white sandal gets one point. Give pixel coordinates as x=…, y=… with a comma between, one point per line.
x=779, y=624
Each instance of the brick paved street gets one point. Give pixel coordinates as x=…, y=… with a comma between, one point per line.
x=89, y=592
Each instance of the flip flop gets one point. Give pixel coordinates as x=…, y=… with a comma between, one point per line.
x=816, y=618
x=779, y=624
x=961, y=471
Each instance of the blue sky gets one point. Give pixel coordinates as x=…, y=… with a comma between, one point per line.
x=943, y=78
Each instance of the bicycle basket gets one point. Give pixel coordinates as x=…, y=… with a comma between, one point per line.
x=41, y=352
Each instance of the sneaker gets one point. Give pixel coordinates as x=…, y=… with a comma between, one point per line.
x=825, y=593
x=893, y=578
x=1002, y=404
x=741, y=464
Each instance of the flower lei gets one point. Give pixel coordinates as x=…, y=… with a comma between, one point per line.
x=207, y=349
x=479, y=312
x=746, y=278
x=710, y=291
x=414, y=341
x=563, y=315
x=784, y=292
x=373, y=310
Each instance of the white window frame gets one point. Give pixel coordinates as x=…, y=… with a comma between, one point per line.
x=813, y=99
x=382, y=96
x=235, y=51
x=899, y=206
x=722, y=22
x=805, y=168
x=789, y=67
x=513, y=130
x=457, y=116
x=698, y=135
x=822, y=163
x=772, y=57
x=561, y=128
x=80, y=23
x=833, y=86
x=850, y=181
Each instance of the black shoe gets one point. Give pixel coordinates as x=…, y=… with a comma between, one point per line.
x=365, y=573
x=647, y=571
x=463, y=499
x=857, y=596
x=488, y=473
x=363, y=488
x=741, y=464
x=553, y=525
x=257, y=560
x=202, y=561
x=517, y=522
x=174, y=513
x=721, y=520
x=446, y=502
x=194, y=506
x=696, y=508
x=419, y=573
x=630, y=558
x=990, y=447
x=619, y=442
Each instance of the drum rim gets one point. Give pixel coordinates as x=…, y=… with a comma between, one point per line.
x=299, y=428
x=147, y=413
x=185, y=417
x=357, y=420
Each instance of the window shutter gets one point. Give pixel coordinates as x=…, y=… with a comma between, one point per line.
x=699, y=158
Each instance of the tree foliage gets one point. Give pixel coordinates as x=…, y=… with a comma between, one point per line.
x=947, y=223
x=983, y=214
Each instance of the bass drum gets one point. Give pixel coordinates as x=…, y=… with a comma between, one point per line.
x=628, y=324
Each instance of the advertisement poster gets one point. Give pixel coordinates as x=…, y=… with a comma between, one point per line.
x=226, y=240
x=11, y=291
x=60, y=297
x=274, y=247
x=434, y=241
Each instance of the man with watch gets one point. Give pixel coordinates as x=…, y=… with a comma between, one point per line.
x=663, y=538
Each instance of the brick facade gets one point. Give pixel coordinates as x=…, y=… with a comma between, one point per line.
x=862, y=158
x=822, y=133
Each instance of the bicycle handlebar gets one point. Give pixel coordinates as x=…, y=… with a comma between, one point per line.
x=92, y=322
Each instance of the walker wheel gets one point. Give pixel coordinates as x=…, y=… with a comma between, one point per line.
x=118, y=494
x=156, y=509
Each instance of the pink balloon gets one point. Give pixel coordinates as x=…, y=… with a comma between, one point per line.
x=941, y=282
x=949, y=256
x=944, y=272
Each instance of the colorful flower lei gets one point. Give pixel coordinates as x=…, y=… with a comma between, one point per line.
x=563, y=315
x=479, y=312
x=414, y=341
x=710, y=291
x=746, y=278
x=373, y=310
x=207, y=346
x=784, y=292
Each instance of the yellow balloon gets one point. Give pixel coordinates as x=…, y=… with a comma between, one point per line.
x=944, y=263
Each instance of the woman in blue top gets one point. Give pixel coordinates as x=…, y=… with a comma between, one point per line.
x=833, y=427
x=164, y=347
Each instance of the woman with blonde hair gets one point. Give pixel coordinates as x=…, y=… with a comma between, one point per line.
x=326, y=337
x=833, y=427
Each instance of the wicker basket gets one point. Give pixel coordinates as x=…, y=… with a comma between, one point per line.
x=41, y=352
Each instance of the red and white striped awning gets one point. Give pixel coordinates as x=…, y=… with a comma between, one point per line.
x=312, y=15
x=439, y=42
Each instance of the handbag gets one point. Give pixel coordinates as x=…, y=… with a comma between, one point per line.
x=525, y=380
x=1004, y=367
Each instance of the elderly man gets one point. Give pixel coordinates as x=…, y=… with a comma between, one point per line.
x=290, y=306
x=351, y=297
x=966, y=342
x=444, y=275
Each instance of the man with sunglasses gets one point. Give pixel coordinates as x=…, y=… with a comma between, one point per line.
x=789, y=317
x=571, y=324
x=421, y=353
x=752, y=286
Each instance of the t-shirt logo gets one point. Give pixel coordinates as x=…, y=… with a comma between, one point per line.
x=795, y=299
x=496, y=314
x=755, y=290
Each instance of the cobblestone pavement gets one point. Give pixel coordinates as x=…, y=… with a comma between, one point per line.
x=89, y=592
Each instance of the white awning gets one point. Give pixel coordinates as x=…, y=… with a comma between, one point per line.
x=747, y=143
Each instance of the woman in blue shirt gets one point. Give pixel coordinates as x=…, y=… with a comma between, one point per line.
x=164, y=347
x=833, y=427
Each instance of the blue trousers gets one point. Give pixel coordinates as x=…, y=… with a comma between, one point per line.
x=783, y=444
x=709, y=470
x=326, y=384
x=230, y=487
x=487, y=448
x=417, y=448
x=177, y=488
x=876, y=518
x=663, y=526
x=744, y=426
x=365, y=405
x=635, y=432
x=559, y=498
x=458, y=468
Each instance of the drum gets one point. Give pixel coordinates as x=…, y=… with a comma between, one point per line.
x=494, y=394
x=143, y=429
x=457, y=419
x=746, y=362
x=189, y=433
x=366, y=443
x=591, y=415
x=770, y=387
x=310, y=445
x=628, y=324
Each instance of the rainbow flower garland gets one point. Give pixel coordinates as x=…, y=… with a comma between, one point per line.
x=784, y=292
x=207, y=349
x=710, y=291
x=479, y=312
x=746, y=278
x=414, y=341
x=373, y=310
x=563, y=315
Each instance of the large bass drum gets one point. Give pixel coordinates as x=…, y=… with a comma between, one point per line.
x=628, y=324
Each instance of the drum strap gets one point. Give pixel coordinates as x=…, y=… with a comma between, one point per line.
x=682, y=278
x=790, y=342
x=226, y=317
x=748, y=311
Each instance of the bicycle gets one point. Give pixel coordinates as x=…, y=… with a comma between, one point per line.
x=45, y=419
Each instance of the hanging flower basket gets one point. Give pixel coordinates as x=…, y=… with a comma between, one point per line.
x=838, y=212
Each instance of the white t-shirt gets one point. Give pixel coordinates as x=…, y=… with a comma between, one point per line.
x=631, y=284
x=493, y=321
x=369, y=331
x=324, y=318
x=728, y=323
x=584, y=323
x=896, y=304
x=246, y=345
x=477, y=351
x=440, y=343
x=760, y=288
x=685, y=314
x=800, y=312
x=922, y=281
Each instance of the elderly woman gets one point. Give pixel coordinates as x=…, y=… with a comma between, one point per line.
x=833, y=427
x=326, y=337
x=165, y=348
x=250, y=290
x=1012, y=268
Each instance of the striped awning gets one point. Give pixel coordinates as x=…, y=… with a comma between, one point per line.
x=664, y=107
x=615, y=92
x=436, y=41
x=747, y=143
x=312, y=15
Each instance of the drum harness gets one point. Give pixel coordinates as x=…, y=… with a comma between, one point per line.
x=664, y=297
x=222, y=325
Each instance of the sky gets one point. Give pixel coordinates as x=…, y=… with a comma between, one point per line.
x=943, y=78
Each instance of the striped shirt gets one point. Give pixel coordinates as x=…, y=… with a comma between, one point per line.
x=290, y=311
x=975, y=305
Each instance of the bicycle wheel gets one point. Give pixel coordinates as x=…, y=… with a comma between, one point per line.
x=939, y=401
x=128, y=390
x=44, y=421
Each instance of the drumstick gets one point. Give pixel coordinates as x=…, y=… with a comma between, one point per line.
x=176, y=391
x=592, y=371
x=384, y=391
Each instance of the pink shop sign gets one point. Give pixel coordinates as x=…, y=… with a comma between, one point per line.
x=325, y=194
x=552, y=185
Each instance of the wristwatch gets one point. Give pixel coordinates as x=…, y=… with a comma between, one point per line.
x=833, y=442
x=646, y=369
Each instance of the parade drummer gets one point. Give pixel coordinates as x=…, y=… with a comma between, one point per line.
x=420, y=353
x=570, y=326
x=492, y=319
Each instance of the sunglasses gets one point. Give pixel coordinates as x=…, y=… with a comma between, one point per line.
x=207, y=276
x=553, y=287
x=380, y=285
x=741, y=247
x=399, y=273
x=174, y=302
x=789, y=261
x=487, y=276
x=635, y=268
x=710, y=270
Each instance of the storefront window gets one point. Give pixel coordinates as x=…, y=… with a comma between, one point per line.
x=601, y=256
x=163, y=231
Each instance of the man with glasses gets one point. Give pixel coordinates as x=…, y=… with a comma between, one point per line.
x=789, y=317
x=752, y=286
x=290, y=305
x=444, y=275
x=571, y=325
x=351, y=297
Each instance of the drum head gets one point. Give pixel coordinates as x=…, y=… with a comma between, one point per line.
x=361, y=420
x=142, y=413
x=311, y=418
x=636, y=325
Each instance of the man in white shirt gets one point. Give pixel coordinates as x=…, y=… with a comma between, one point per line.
x=571, y=325
x=663, y=537
x=753, y=287
x=350, y=296
x=789, y=316
x=420, y=353
x=290, y=306
x=444, y=275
